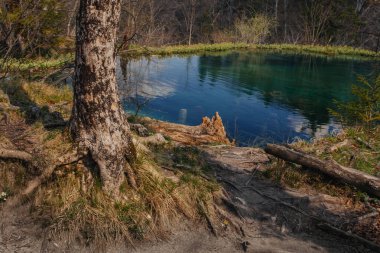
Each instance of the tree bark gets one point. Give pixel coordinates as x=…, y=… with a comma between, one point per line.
x=363, y=181
x=98, y=122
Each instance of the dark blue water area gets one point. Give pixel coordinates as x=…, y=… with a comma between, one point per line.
x=261, y=97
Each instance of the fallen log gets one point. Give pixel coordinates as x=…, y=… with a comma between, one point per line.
x=15, y=154
x=361, y=180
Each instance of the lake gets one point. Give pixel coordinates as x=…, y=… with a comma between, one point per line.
x=261, y=97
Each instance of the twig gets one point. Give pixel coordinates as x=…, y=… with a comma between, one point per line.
x=233, y=207
x=369, y=146
x=367, y=216
x=230, y=184
x=252, y=175
x=56, y=124
x=224, y=215
x=208, y=219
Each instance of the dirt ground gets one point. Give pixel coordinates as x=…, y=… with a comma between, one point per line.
x=266, y=224
x=269, y=218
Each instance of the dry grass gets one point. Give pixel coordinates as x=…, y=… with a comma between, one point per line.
x=354, y=153
x=12, y=177
x=44, y=94
x=78, y=208
x=73, y=204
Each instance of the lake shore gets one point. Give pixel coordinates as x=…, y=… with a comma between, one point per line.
x=58, y=61
x=201, y=162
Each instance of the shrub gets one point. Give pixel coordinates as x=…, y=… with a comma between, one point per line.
x=253, y=30
x=365, y=108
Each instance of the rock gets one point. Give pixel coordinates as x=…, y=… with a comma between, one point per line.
x=237, y=159
x=154, y=139
x=140, y=130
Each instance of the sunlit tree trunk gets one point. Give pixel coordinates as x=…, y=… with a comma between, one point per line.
x=98, y=121
x=276, y=13
x=285, y=20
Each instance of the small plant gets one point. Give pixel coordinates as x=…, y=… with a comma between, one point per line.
x=365, y=108
x=3, y=197
x=254, y=30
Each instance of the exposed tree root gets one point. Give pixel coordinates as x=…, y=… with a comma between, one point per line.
x=335, y=230
x=15, y=154
x=56, y=125
x=65, y=160
x=210, y=223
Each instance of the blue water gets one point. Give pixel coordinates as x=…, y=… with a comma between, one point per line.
x=261, y=97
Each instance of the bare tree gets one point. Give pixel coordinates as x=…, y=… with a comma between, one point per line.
x=315, y=19
x=98, y=122
x=188, y=9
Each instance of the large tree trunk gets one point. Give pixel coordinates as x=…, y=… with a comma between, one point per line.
x=98, y=121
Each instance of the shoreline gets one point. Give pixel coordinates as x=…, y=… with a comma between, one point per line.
x=60, y=60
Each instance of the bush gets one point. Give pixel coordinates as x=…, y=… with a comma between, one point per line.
x=253, y=30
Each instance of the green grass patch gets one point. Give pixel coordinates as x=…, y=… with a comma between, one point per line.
x=136, y=50
x=344, y=149
x=38, y=64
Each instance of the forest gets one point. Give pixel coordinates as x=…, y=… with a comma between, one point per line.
x=32, y=28
x=190, y=126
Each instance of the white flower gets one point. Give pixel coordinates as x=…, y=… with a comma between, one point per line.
x=3, y=196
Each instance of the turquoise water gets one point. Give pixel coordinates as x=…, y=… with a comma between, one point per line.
x=261, y=97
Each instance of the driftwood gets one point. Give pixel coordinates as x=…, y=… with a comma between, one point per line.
x=15, y=154
x=361, y=180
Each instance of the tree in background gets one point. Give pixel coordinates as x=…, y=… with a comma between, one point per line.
x=30, y=27
x=43, y=27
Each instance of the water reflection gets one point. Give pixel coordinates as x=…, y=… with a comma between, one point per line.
x=261, y=96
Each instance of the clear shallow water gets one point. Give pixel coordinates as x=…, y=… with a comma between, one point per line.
x=261, y=97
